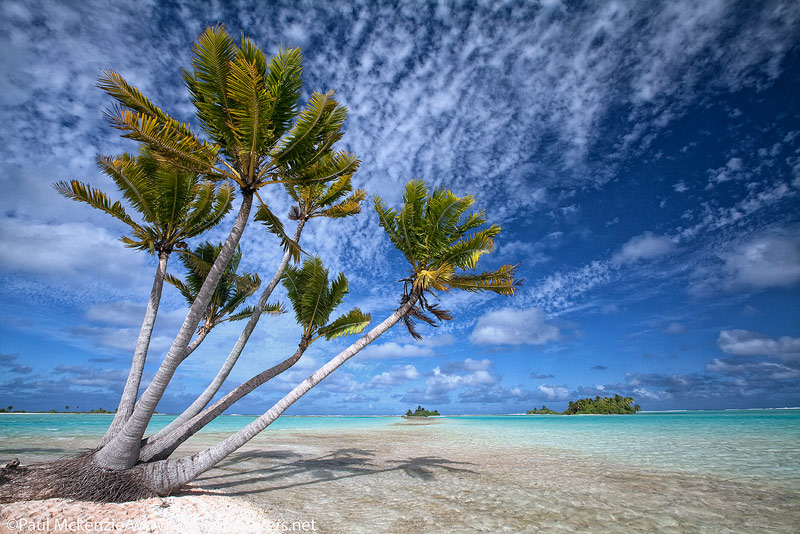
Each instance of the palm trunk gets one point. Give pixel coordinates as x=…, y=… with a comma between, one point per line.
x=196, y=343
x=202, y=401
x=131, y=391
x=122, y=451
x=161, y=448
x=167, y=476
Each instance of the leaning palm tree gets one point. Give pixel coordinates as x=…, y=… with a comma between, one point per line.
x=231, y=292
x=442, y=244
x=313, y=299
x=247, y=107
x=174, y=206
x=312, y=199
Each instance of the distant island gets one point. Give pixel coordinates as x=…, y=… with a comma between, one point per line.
x=616, y=405
x=421, y=412
x=11, y=409
x=543, y=410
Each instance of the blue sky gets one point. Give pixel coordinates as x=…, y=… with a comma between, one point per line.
x=643, y=159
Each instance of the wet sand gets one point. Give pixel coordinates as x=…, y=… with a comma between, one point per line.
x=417, y=476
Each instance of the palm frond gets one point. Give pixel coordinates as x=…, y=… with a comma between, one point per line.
x=131, y=97
x=81, y=192
x=167, y=143
x=284, y=82
x=275, y=226
x=350, y=206
x=500, y=281
x=353, y=322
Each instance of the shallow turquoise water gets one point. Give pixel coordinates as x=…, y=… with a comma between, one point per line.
x=705, y=472
x=746, y=443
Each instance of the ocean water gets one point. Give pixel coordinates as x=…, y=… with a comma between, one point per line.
x=722, y=471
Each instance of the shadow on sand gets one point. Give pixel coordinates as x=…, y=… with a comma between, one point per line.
x=336, y=465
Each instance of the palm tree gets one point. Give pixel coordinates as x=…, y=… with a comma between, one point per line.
x=316, y=199
x=174, y=206
x=231, y=292
x=247, y=108
x=433, y=233
x=313, y=299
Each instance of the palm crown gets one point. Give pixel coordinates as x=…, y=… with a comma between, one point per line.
x=442, y=243
x=231, y=292
x=174, y=205
x=248, y=108
x=314, y=298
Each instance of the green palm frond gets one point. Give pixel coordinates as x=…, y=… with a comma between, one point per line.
x=275, y=226
x=231, y=292
x=500, y=281
x=81, y=192
x=331, y=166
x=131, y=97
x=209, y=207
x=353, y=322
x=168, y=144
x=332, y=192
x=284, y=83
x=466, y=253
x=134, y=179
x=312, y=296
x=271, y=308
x=317, y=128
x=187, y=292
x=443, y=244
x=350, y=206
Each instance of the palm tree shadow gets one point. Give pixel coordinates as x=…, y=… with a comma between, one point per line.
x=337, y=465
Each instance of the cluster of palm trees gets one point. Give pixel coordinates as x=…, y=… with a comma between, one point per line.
x=180, y=183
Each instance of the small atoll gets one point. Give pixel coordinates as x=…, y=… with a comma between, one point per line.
x=616, y=405
x=421, y=412
x=544, y=410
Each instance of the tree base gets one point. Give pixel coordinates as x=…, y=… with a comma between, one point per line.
x=72, y=478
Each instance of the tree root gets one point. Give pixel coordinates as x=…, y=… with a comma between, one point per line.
x=72, y=478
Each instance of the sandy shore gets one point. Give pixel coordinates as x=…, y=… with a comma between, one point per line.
x=194, y=511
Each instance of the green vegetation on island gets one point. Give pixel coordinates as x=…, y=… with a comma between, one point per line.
x=421, y=412
x=616, y=405
x=544, y=410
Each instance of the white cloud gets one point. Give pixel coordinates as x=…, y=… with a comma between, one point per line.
x=644, y=247
x=675, y=328
x=398, y=374
x=680, y=187
x=763, y=370
x=765, y=261
x=509, y=326
x=554, y=392
x=747, y=343
x=69, y=253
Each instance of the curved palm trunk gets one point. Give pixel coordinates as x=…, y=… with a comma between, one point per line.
x=162, y=448
x=166, y=476
x=122, y=451
x=131, y=391
x=196, y=343
x=202, y=401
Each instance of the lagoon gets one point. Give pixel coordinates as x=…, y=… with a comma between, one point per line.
x=735, y=471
